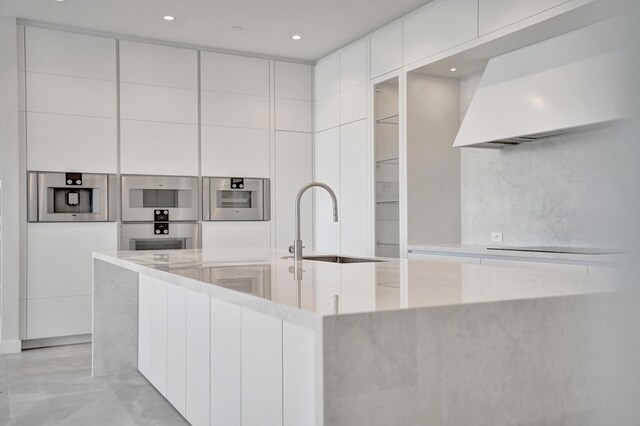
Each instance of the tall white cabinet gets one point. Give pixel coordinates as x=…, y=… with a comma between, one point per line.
x=342, y=151
x=71, y=125
x=235, y=115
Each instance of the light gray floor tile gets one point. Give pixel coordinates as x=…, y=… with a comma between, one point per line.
x=53, y=386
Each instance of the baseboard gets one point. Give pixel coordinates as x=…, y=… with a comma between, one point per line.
x=10, y=347
x=56, y=341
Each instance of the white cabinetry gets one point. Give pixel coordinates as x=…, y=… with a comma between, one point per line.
x=293, y=93
x=197, y=397
x=353, y=104
x=353, y=79
x=176, y=346
x=327, y=92
x=159, y=109
x=327, y=112
x=70, y=102
x=386, y=50
x=236, y=234
x=299, y=361
x=235, y=115
x=496, y=14
x=59, y=275
x=294, y=166
x=152, y=331
x=439, y=26
x=327, y=170
x=226, y=357
x=355, y=178
x=261, y=369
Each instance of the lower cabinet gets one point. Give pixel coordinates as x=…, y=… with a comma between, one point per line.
x=176, y=347
x=220, y=364
x=226, y=393
x=197, y=397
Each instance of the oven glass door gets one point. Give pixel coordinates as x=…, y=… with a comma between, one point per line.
x=159, y=198
x=225, y=203
x=143, y=236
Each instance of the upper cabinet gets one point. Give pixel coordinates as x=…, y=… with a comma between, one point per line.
x=496, y=14
x=353, y=65
x=441, y=25
x=328, y=76
x=293, y=93
x=69, y=54
x=386, y=50
x=157, y=65
x=158, y=109
x=240, y=75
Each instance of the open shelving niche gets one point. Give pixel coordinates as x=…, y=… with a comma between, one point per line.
x=387, y=168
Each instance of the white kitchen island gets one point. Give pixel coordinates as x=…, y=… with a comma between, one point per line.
x=230, y=337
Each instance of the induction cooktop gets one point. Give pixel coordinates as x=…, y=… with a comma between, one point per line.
x=565, y=250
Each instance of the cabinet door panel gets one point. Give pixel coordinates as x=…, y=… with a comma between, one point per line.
x=176, y=346
x=156, y=103
x=328, y=76
x=236, y=234
x=158, y=148
x=234, y=151
x=293, y=81
x=197, y=398
x=158, y=65
x=353, y=104
x=261, y=369
x=294, y=165
x=60, y=142
x=58, y=316
x=234, y=74
x=386, y=50
x=70, y=54
x=71, y=95
x=328, y=112
x=294, y=115
x=440, y=26
x=353, y=65
x=496, y=14
x=327, y=170
x=158, y=335
x=226, y=377
x=299, y=375
x=355, y=189
x=229, y=109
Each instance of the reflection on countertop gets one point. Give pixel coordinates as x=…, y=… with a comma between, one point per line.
x=327, y=289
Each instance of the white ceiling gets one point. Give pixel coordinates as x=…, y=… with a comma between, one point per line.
x=326, y=25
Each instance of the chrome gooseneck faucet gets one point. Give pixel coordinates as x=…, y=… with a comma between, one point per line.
x=296, y=248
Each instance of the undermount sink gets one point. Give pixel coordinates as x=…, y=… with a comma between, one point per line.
x=339, y=259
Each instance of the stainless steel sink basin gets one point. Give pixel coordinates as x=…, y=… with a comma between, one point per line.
x=340, y=259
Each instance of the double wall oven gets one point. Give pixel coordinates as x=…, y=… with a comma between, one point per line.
x=159, y=212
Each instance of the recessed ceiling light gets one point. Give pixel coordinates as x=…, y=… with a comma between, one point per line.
x=236, y=28
x=168, y=18
x=453, y=69
x=296, y=37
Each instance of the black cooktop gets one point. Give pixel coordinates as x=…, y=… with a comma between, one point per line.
x=565, y=250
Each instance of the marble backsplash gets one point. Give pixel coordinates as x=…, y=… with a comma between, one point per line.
x=566, y=191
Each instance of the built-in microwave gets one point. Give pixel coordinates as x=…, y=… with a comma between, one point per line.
x=71, y=197
x=159, y=198
x=159, y=236
x=235, y=198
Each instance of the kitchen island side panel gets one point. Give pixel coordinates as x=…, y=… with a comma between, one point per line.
x=115, y=319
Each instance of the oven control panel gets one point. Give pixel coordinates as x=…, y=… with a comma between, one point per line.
x=237, y=183
x=161, y=228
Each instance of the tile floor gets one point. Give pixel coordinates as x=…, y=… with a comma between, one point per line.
x=54, y=387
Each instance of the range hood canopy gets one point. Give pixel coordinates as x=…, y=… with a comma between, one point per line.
x=567, y=84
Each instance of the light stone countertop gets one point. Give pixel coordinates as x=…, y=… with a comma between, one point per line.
x=359, y=288
x=482, y=251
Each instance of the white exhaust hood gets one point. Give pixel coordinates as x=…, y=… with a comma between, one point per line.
x=566, y=84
